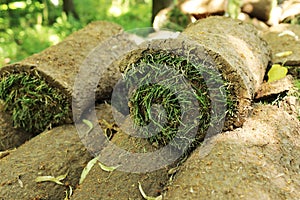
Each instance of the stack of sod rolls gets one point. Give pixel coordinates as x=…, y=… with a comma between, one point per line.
x=177, y=91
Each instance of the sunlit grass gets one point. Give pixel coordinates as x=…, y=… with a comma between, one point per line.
x=136, y=16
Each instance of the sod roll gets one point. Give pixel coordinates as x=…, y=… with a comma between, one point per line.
x=38, y=91
x=118, y=184
x=258, y=161
x=207, y=74
x=58, y=152
x=239, y=53
x=110, y=181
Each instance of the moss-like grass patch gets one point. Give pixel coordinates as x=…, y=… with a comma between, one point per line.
x=33, y=104
x=175, y=120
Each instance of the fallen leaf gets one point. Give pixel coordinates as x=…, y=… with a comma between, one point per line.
x=6, y=152
x=290, y=33
x=71, y=191
x=62, y=177
x=87, y=169
x=107, y=169
x=56, y=180
x=277, y=72
x=147, y=197
x=68, y=194
x=89, y=124
x=20, y=182
x=284, y=54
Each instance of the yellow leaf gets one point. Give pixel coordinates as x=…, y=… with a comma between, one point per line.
x=87, y=169
x=284, y=54
x=56, y=180
x=277, y=72
x=89, y=124
x=107, y=169
x=147, y=197
x=62, y=177
x=68, y=194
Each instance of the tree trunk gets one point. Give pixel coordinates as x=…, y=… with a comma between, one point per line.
x=68, y=7
x=258, y=9
x=158, y=5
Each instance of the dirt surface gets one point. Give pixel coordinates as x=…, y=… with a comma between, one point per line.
x=10, y=137
x=281, y=38
x=119, y=184
x=258, y=161
x=53, y=153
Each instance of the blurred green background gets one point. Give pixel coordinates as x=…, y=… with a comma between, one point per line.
x=29, y=26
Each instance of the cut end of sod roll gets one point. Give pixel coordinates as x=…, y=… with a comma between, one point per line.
x=172, y=98
x=34, y=105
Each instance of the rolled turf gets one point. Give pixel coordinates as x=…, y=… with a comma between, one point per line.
x=208, y=74
x=258, y=161
x=239, y=54
x=37, y=91
x=57, y=152
x=119, y=184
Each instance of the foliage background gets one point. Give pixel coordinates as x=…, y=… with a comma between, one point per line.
x=29, y=26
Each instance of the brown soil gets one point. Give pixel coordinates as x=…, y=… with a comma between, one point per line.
x=258, y=161
x=52, y=153
x=10, y=137
x=281, y=38
x=119, y=184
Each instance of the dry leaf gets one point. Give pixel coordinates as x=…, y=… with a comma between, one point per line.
x=284, y=54
x=147, y=197
x=89, y=124
x=290, y=33
x=56, y=180
x=68, y=194
x=107, y=169
x=87, y=169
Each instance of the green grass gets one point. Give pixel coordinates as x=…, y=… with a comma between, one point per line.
x=178, y=21
x=137, y=16
x=28, y=31
x=34, y=105
x=179, y=100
